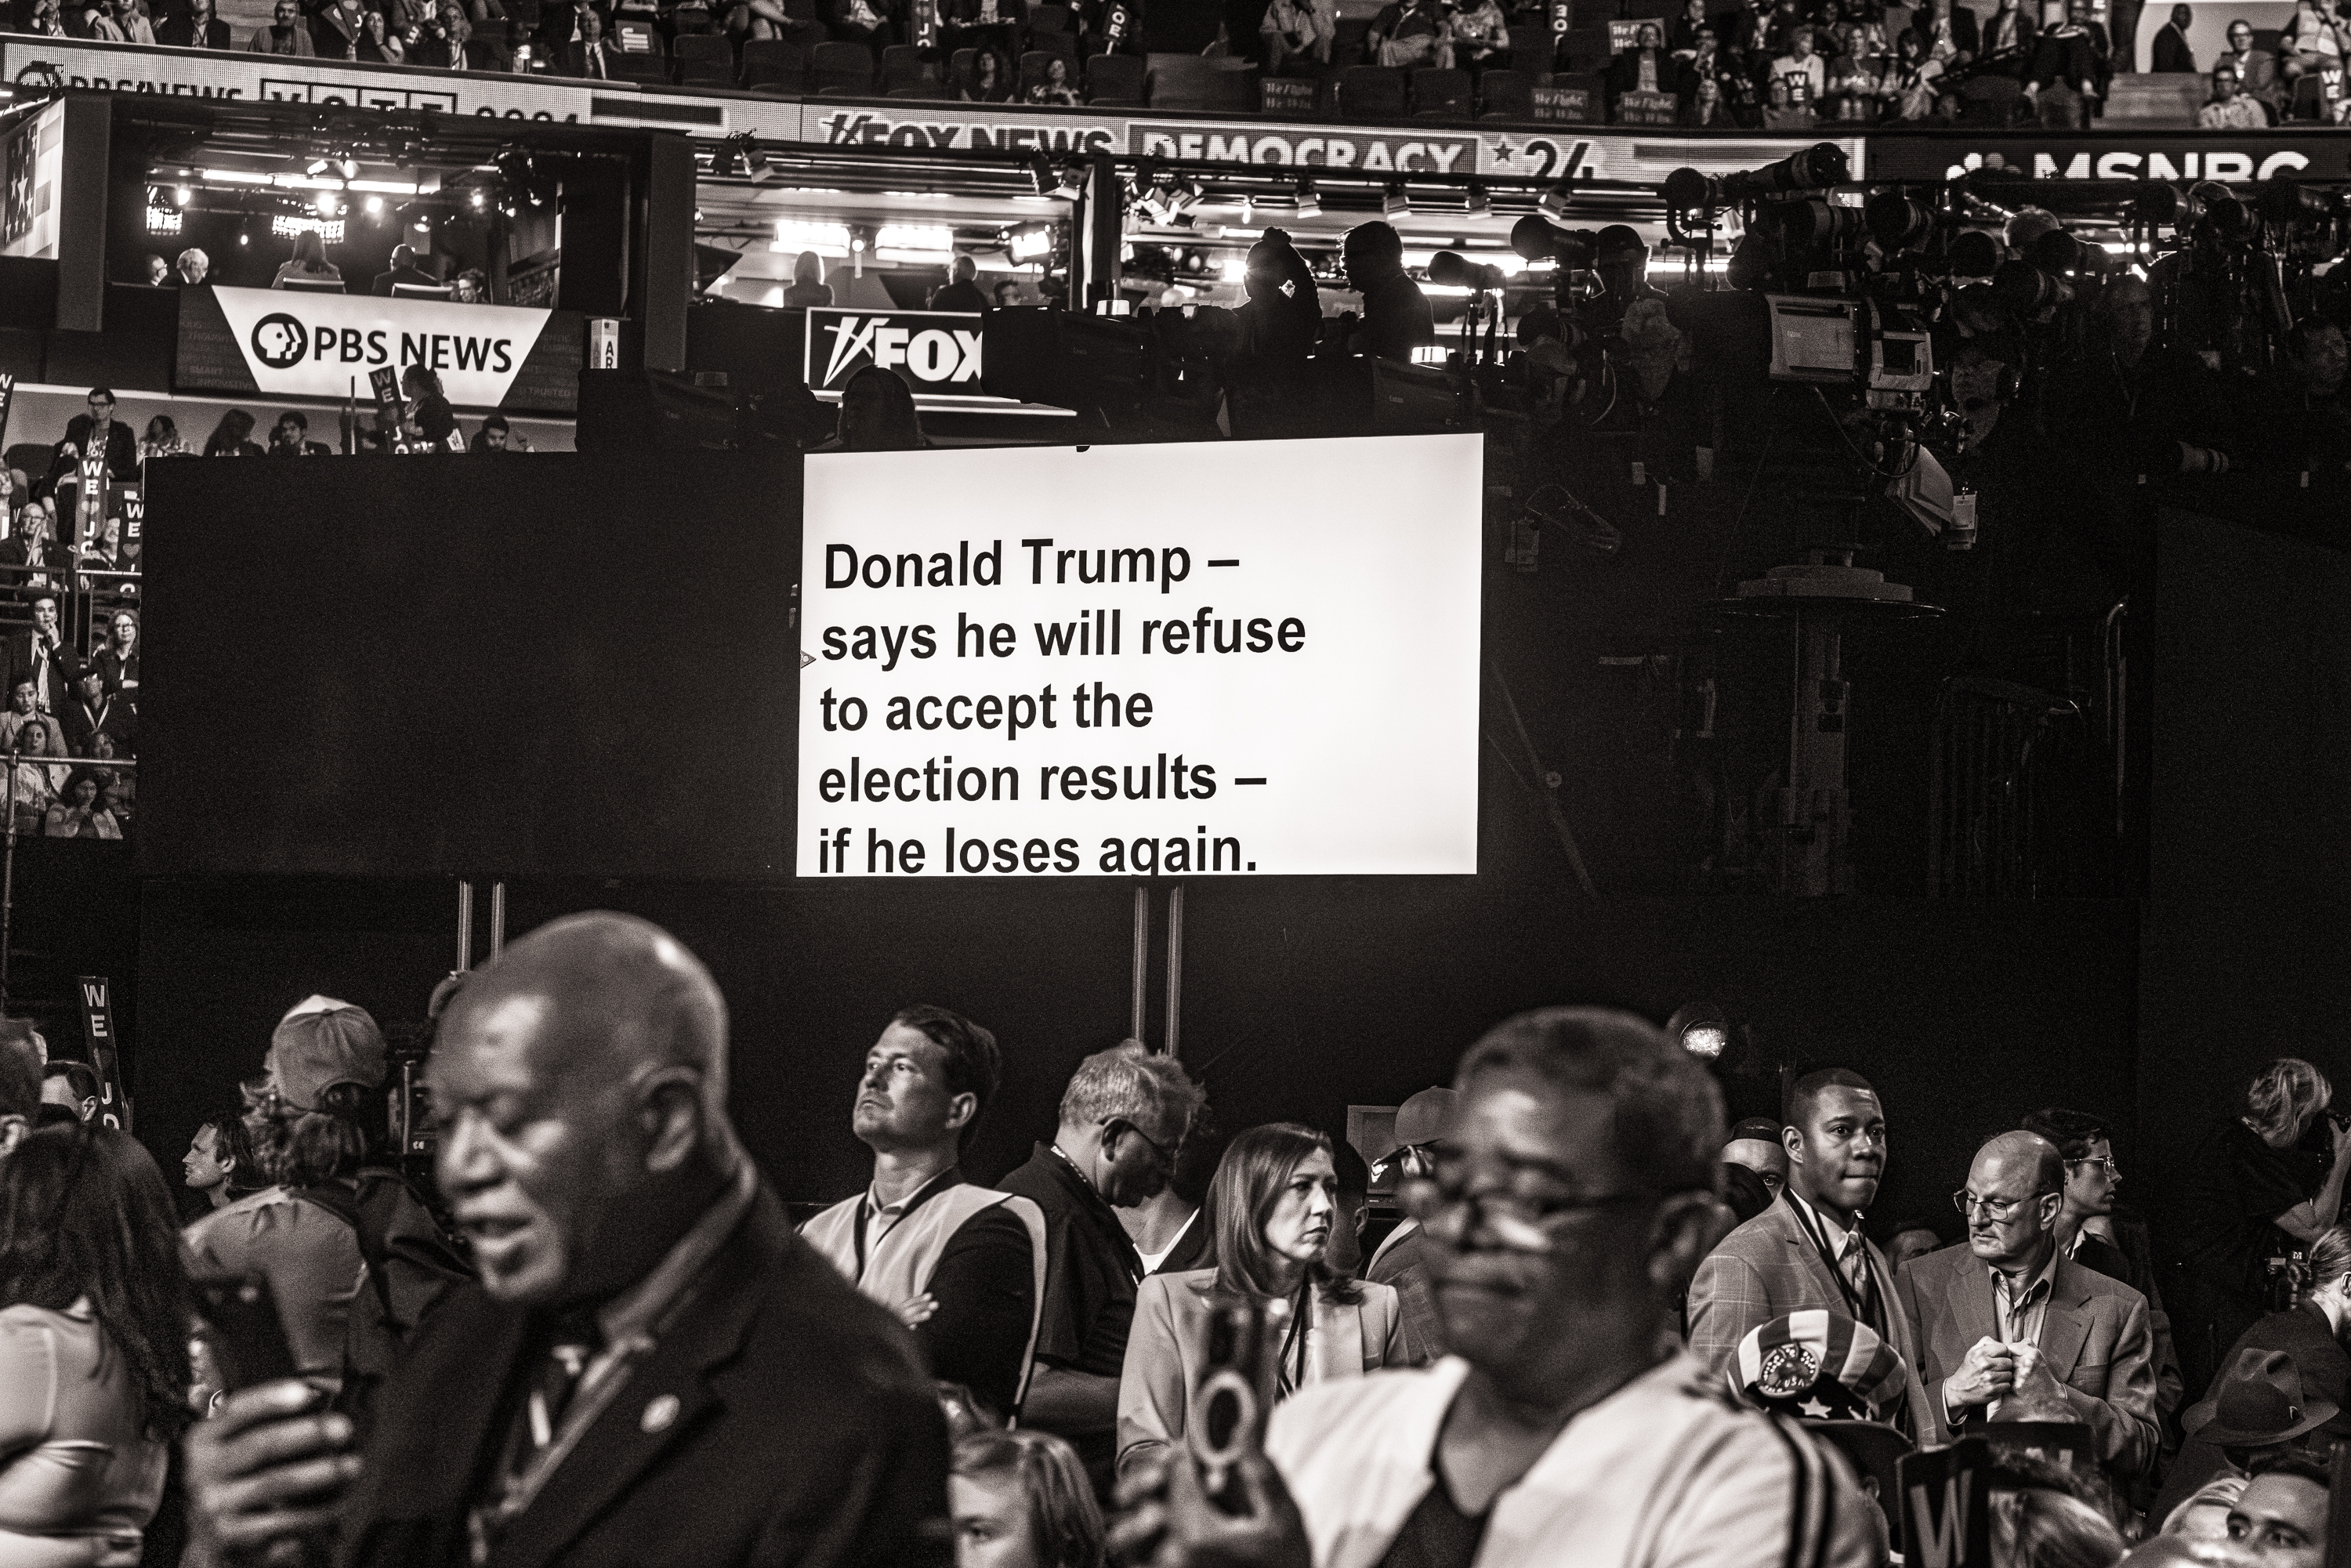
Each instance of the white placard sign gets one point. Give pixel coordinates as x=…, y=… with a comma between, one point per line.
x=318, y=345
x=1257, y=658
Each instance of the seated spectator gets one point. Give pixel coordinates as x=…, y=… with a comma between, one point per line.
x=864, y=22
x=123, y=25
x=36, y=784
x=471, y=286
x=1682, y=38
x=495, y=437
x=2012, y=31
x=46, y=21
x=2313, y=40
x=877, y=415
x=2229, y=109
x=2257, y=71
x=309, y=265
x=1008, y=294
x=1908, y=85
x=76, y=814
x=2067, y=63
x=1055, y=89
x=808, y=287
x=94, y=1313
x=1020, y=1500
x=1297, y=33
x=290, y=437
x=232, y=437
x=1481, y=36
x=103, y=553
x=1806, y=73
x=162, y=438
x=978, y=24
x=1410, y=33
x=93, y=712
x=1272, y=1207
x=1646, y=67
x=114, y=797
x=1851, y=93
x=594, y=55
x=337, y=29
x=194, y=264
x=492, y=26
x=23, y=710
x=380, y=45
x=990, y=81
x=1946, y=32
x=35, y=560
x=1781, y=110
x=959, y=292
x=285, y=36
x=449, y=44
x=118, y=658
x=195, y=24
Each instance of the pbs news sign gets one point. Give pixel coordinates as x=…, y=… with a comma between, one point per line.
x=937, y=353
x=324, y=345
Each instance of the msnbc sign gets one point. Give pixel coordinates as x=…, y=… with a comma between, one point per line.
x=319, y=345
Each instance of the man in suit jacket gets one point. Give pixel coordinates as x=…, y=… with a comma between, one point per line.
x=44, y=657
x=2007, y=1327
x=2257, y=69
x=97, y=429
x=1808, y=1250
x=652, y=1371
x=405, y=270
x=2170, y=52
x=93, y=712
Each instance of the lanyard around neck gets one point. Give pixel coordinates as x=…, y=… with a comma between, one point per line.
x=1861, y=1304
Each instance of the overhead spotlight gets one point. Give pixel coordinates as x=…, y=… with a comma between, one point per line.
x=1480, y=203
x=350, y=167
x=375, y=207
x=317, y=166
x=181, y=195
x=1556, y=200
x=1309, y=202
x=1040, y=173
x=326, y=204
x=1071, y=182
x=1395, y=203
x=480, y=198
x=1702, y=1029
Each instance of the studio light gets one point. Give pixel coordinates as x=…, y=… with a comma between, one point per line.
x=1480, y=203
x=374, y=206
x=1557, y=200
x=1309, y=202
x=1703, y=1029
x=1395, y=203
x=181, y=195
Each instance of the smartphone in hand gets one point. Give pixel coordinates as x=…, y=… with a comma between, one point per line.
x=241, y=1332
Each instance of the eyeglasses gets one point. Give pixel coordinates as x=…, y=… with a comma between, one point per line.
x=1517, y=1221
x=2113, y=1169
x=1164, y=1157
x=2000, y=1208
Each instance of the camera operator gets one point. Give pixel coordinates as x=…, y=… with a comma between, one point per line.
x=2303, y=423
x=2136, y=410
x=1397, y=317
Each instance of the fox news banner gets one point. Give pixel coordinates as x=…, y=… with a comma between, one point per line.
x=1122, y=661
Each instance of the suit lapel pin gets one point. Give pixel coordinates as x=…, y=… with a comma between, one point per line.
x=661, y=1414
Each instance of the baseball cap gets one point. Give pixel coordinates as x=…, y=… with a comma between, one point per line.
x=322, y=1041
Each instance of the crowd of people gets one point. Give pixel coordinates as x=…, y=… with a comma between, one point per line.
x=1610, y=1330
x=2255, y=86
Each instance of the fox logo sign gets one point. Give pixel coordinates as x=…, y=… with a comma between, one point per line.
x=938, y=351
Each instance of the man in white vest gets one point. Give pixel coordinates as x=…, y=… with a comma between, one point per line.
x=963, y=1265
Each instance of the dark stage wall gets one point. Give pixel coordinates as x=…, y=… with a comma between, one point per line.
x=1296, y=1000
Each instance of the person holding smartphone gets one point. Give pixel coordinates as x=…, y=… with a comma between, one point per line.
x=94, y=1307
x=1272, y=1205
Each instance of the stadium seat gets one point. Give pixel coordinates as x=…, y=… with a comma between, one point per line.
x=2309, y=98
x=1201, y=83
x=1062, y=46
x=904, y=69
x=1989, y=100
x=1032, y=68
x=1442, y=95
x=1116, y=80
x=703, y=59
x=642, y=55
x=1583, y=50
x=1507, y=95
x=1050, y=19
x=1347, y=41
x=1530, y=48
x=1371, y=92
x=688, y=19
x=770, y=62
x=837, y=67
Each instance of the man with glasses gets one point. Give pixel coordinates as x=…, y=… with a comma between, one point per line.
x=2009, y=1328
x=1573, y=1198
x=98, y=431
x=1122, y=1118
x=2257, y=69
x=2086, y=1229
x=1808, y=1250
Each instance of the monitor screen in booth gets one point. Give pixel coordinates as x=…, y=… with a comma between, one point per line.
x=1260, y=658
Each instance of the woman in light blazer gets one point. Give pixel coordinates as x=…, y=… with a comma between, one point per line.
x=1272, y=1203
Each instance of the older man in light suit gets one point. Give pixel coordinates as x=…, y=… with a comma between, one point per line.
x=2009, y=1328
x=1807, y=1251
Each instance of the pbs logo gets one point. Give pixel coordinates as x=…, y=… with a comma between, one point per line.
x=279, y=341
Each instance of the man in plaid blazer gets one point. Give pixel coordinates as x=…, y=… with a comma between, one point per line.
x=1807, y=1251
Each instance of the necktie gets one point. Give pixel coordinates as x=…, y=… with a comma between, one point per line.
x=571, y=1345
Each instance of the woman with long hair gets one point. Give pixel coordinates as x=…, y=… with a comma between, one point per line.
x=94, y=1313
x=1274, y=1205
x=1021, y=1500
x=232, y=437
x=309, y=264
x=162, y=440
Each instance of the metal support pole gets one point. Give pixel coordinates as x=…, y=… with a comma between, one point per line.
x=8, y=884
x=1100, y=235
x=1175, y=966
x=1142, y=960
x=498, y=917
x=464, y=926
